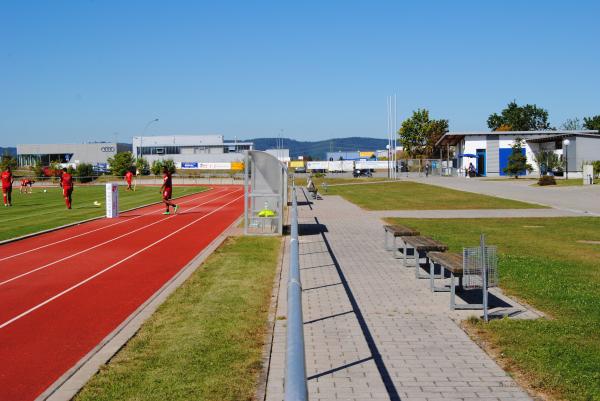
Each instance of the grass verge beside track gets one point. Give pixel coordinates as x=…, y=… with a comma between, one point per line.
x=551, y=263
x=406, y=195
x=40, y=210
x=205, y=342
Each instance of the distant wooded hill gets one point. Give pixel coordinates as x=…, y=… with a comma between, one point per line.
x=318, y=149
x=8, y=151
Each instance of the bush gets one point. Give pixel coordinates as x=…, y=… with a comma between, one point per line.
x=121, y=163
x=156, y=168
x=85, y=172
x=546, y=180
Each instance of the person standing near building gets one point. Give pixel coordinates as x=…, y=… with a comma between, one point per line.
x=128, y=178
x=66, y=183
x=167, y=191
x=7, y=182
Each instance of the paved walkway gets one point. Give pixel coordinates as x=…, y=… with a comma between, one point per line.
x=372, y=331
x=577, y=199
x=473, y=213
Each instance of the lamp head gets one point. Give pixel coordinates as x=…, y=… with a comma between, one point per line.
x=566, y=142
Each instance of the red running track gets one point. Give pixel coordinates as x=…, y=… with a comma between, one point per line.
x=62, y=292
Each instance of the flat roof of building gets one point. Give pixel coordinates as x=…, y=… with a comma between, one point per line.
x=452, y=138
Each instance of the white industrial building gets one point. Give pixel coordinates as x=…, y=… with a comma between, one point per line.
x=190, y=151
x=95, y=153
x=489, y=151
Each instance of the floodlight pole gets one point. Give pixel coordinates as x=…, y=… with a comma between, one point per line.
x=142, y=136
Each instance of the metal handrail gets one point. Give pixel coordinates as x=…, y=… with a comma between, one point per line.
x=295, y=364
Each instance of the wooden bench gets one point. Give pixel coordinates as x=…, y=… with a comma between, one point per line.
x=397, y=231
x=421, y=246
x=453, y=262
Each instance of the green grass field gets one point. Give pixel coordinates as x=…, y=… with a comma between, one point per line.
x=406, y=195
x=544, y=262
x=205, y=342
x=40, y=211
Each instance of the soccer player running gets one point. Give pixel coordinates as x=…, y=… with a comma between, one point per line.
x=128, y=178
x=7, y=182
x=167, y=191
x=66, y=183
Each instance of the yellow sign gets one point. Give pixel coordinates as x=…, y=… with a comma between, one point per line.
x=366, y=154
x=237, y=165
x=296, y=163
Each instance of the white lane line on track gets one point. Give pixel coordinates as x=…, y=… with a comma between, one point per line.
x=60, y=294
x=102, y=243
x=209, y=192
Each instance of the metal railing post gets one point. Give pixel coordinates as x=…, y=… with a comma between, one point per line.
x=295, y=364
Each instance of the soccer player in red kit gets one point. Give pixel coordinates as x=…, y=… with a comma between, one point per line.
x=7, y=181
x=66, y=183
x=167, y=191
x=128, y=178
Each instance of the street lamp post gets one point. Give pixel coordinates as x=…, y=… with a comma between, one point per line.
x=388, y=157
x=142, y=136
x=566, y=142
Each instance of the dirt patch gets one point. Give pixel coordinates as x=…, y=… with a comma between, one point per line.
x=589, y=242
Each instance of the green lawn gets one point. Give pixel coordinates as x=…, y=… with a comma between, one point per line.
x=205, y=342
x=542, y=262
x=43, y=210
x=406, y=195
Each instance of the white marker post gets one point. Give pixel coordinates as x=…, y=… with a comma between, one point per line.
x=112, y=201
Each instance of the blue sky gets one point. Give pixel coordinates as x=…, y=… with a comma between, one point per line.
x=74, y=71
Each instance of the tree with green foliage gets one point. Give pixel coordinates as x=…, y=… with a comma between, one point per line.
x=85, y=172
x=121, y=163
x=592, y=122
x=517, y=161
x=156, y=167
x=170, y=165
x=419, y=134
x=37, y=168
x=142, y=166
x=572, y=124
x=519, y=118
x=547, y=160
x=7, y=161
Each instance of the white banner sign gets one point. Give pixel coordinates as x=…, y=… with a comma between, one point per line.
x=372, y=164
x=317, y=165
x=112, y=201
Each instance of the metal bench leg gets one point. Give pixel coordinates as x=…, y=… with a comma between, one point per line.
x=405, y=261
x=395, y=247
x=441, y=275
x=452, y=292
x=385, y=243
x=418, y=265
x=431, y=275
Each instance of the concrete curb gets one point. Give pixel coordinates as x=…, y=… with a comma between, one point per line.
x=72, y=381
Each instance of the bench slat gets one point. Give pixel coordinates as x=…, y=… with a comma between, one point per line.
x=424, y=244
x=451, y=261
x=400, y=231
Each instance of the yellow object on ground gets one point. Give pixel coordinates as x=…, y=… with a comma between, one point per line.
x=266, y=213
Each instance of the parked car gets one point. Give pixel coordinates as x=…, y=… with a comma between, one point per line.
x=362, y=172
x=300, y=170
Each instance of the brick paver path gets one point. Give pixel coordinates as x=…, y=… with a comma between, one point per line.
x=372, y=331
